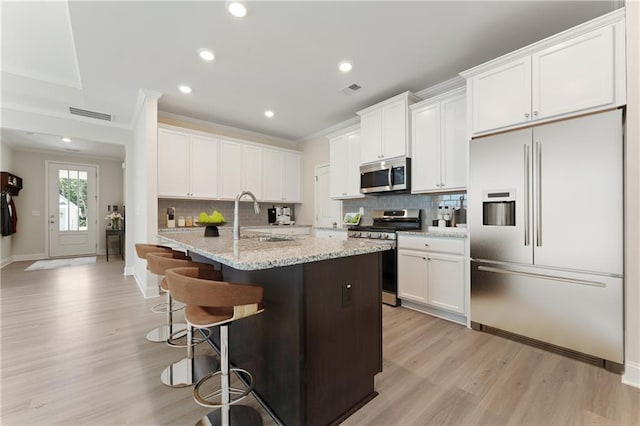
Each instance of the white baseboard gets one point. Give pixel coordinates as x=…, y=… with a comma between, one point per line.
x=147, y=293
x=8, y=261
x=450, y=316
x=631, y=374
x=36, y=256
x=129, y=270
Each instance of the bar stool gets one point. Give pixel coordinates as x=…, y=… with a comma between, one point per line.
x=210, y=304
x=162, y=333
x=188, y=370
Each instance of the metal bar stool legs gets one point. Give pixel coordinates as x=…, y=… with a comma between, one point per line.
x=169, y=331
x=227, y=413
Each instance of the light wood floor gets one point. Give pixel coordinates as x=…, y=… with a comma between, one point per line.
x=73, y=352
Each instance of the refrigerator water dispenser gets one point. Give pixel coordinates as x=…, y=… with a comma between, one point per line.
x=499, y=208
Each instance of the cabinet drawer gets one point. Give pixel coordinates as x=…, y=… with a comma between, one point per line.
x=442, y=244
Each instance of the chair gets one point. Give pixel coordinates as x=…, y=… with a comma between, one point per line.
x=209, y=304
x=188, y=370
x=162, y=333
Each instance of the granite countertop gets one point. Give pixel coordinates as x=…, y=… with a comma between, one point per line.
x=251, y=253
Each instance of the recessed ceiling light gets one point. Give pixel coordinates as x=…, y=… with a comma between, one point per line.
x=206, y=54
x=65, y=140
x=185, y=89
x=269, y=113
x=237, y=8
x=345, y=66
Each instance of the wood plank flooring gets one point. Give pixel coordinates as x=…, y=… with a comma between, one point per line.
x=73, y=352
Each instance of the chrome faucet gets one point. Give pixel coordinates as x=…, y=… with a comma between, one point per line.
x=236, y=221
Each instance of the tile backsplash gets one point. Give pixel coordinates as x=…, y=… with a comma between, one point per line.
x=427, y=203
x=194, y=207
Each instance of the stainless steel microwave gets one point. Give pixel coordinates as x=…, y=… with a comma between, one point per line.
x=389, y=175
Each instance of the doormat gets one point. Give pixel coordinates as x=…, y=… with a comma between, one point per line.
x=60, y=263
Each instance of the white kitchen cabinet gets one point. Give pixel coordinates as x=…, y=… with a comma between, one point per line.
x=412, y=275
x=240, y=169
x=384, y=129
x=187, y=165
x=575, y=72
x=281, y=176
x=431, y=275
x=439, y=143
x=344, y=158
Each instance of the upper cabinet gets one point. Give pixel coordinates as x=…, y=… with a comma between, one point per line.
x=187, y=165
x=193, y=165
x=578, y=71
x=344, y=156
x=384, y=129
x=281, y=171
x=439, y=143
x=240, y=169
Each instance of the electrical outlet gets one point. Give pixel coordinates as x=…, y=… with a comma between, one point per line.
x=347, y=295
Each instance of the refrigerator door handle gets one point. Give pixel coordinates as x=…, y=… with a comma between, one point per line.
x=538, y=169
x=542, y=276
x=526, y=195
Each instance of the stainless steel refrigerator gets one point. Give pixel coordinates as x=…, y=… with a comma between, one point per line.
x=546, y=230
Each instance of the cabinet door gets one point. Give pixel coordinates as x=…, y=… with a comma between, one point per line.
x=351, y=173
x=339, y=164
x=272, y=175
x=454, y=144
x=412, y=275
x=425, y=168
x=292, y=173
x=173, y=163
x=575, y=75
x=371, y=136
x=231, y=169
x=253, y=170
x=394, y=130
x=445, y=280
x=203, y=170
x=501, y=97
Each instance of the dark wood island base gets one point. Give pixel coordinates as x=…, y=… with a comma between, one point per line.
x=317, y=347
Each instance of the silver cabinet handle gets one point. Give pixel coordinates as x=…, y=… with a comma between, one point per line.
x=535, y=113
x=526, y=195
x=426, y=245
x=539, y=194
x=526, y=115
x=541, y=276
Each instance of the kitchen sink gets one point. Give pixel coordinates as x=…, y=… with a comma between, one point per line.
x=274, y=238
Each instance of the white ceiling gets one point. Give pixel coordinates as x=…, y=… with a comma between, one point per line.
x=282, y=56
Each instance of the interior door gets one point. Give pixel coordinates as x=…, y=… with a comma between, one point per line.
x=72, y=209
x=327, y=209
x=579, y=193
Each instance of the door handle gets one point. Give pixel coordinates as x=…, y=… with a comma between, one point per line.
x=390, y=177
x=526, y=195
x=542, y=276
x=539, y=194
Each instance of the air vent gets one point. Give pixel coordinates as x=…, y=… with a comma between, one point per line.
x=71, y=150
x=350, y=89
x=90, y=114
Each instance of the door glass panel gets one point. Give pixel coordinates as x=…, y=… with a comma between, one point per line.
x=72, y=194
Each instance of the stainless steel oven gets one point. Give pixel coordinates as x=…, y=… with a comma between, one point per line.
x=386, y=176
x=385, y=225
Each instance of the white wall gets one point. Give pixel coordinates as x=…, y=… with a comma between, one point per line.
x=6, y=164
x=315, y=151
x=632, y=200
x=30, y=241
x=142, y=194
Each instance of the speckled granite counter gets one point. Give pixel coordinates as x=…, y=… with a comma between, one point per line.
x=250, y=253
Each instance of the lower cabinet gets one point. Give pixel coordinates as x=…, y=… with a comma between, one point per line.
x=431, y=273
x=335, y=234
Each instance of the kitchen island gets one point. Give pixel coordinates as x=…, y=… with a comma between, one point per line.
x=315, y=350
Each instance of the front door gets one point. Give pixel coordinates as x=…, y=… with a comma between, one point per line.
x=72, y=215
